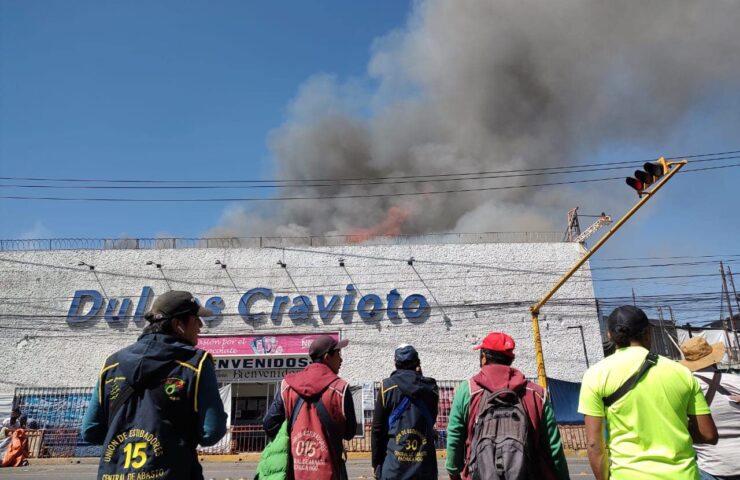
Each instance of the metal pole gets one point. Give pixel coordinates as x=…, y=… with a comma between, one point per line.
x=737, y=302
x=602, y=332
x=634, y=300
x=583, y=342
x=662, y=331
x=731, y=328
x=541, y=373
x=675, y=331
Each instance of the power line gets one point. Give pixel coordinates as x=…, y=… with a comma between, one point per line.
x=624, y=164
x=246, y=184
x=328, y=197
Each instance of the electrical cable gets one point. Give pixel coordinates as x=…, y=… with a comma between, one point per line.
x=625, y=164
x=328, y=197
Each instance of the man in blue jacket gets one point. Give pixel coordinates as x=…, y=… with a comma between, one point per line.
x=403, y=432
x=157, y=399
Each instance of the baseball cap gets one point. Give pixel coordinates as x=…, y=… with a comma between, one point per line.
x=498, y=342
x=175, y=303
x=628, y=318
x=325, y=344
x=405, y=353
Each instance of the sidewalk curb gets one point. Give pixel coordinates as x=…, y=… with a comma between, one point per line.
x=241, y=457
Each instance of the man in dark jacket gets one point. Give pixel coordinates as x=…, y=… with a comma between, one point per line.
x=157, y=399
x=320, y=405
x=546, y=450
x=403, y=423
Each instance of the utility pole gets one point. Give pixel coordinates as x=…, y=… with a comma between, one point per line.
x=668, y=348
x=675, y=330
x=734, y=292
x=733, y=352
x=661, y=170
x=737, y=303
x=662, y=331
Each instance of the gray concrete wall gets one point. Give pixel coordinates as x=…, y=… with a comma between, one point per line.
x=480, y=287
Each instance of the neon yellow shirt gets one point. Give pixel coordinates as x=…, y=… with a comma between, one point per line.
x=648, y=427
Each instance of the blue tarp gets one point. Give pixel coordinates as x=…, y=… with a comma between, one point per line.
x=564, y=398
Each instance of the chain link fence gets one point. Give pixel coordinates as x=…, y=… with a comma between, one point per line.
x=59, y=413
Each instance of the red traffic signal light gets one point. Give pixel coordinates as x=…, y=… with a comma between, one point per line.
x=636, y=184
x=653, y=171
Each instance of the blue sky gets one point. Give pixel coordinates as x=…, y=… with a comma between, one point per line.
x=158, y=90
x=192, y=90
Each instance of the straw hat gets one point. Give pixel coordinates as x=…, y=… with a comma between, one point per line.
x=699, y=354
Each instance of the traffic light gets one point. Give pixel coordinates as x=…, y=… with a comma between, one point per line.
x=651, y=173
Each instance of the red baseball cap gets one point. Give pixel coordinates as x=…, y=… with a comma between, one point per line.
x=498, y=342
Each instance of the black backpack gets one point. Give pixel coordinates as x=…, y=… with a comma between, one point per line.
x=499, y=447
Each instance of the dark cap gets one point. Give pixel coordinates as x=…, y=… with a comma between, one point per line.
x=628, y=319
x=175, y=303
x=406, y=354
x=325, y=344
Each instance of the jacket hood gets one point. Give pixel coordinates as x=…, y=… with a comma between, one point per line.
x=312, y=380
x=413, y=384
x=495, y=377
x=146, y=361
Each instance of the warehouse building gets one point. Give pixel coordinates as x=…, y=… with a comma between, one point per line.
x=65, y=308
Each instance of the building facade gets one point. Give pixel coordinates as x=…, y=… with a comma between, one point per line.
x=64, y=311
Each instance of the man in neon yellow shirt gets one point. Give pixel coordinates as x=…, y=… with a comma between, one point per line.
x=651, y=427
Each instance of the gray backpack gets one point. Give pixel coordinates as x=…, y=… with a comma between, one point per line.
x=499, y=447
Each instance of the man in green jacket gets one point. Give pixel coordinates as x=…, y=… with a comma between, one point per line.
x=546, y=455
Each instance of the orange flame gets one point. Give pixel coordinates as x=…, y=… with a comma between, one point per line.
x=390, y=226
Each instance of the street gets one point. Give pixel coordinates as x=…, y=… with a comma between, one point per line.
x=358, y=469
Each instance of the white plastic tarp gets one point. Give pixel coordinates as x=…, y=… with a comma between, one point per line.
x=711, y=336
x=223, y=445
x=6, y=405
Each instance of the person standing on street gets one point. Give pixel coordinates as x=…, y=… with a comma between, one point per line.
x=502, y=425
x=652, y=406
x=320, y=408
x=157, y=399
x=11, y=423
x=403, y=433
x=722, y=393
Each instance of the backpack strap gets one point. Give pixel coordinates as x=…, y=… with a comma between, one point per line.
x=294, y=414
x=404, y=405
x=714, y=387
x=335, y=441
x=650, y=360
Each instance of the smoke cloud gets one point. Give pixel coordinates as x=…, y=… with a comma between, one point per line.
x=481, y=85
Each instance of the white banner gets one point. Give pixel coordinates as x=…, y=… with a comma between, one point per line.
x=253, y=376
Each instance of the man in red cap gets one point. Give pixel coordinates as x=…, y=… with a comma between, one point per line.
x=498, y=412
x=319, y=408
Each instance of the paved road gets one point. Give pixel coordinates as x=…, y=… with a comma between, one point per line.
x=358, y=469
